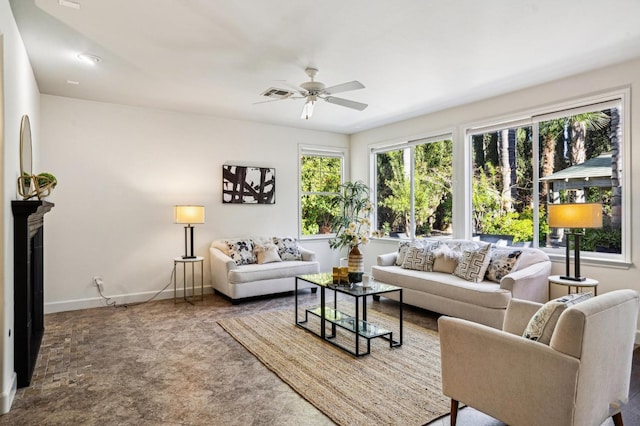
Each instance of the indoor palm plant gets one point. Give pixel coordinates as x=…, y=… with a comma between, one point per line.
x=351, y=224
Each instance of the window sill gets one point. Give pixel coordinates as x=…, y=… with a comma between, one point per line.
x=603, y=260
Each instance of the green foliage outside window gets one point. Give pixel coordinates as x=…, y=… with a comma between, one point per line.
x=321, y=177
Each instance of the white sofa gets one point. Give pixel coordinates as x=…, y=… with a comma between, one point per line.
x=484, y=302
x=245, y=278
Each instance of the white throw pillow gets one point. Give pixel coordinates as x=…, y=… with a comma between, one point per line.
x=473, y=264
x=543, y=322
x=446, y=259
x=267, y=253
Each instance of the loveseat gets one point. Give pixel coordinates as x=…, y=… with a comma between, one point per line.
x=463, y=278
x=243, y=268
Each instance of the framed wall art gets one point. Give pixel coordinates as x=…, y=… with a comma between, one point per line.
x=248, y=185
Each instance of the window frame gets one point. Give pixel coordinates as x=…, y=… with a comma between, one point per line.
x=317, y=151
x=621, y=98
x=383, y=147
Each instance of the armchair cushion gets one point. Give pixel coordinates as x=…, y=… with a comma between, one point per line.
x=543, y=322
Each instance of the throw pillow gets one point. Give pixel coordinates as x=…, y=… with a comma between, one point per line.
x=403, y=246
x=501, y=263
x=241, y=251
x=445, y=260
x=543, y=322
x=420, y=258
x=288, y=248
x=267, y=253
x=473, y=264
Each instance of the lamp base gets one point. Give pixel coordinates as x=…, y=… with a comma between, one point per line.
x=573, y=278
x=189, y=257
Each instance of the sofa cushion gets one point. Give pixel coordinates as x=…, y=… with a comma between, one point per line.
x=269, y=271
x=502, y=262
x=241, y=251
x=288, y=248
x=267, y=253
x=543, y=322
x=486, y=293
x=473, y=264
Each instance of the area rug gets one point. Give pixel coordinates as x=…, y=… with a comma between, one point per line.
x=389, y=386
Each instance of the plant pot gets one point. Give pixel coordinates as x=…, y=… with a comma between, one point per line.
x=356, y=265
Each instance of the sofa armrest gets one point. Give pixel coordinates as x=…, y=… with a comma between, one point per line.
x=518, y=314
x=496, y=373
x=307, y=255
x=530, y=283
x=387, y=259
x=221, y=264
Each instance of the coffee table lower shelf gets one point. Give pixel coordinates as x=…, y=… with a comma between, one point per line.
x=346, y=322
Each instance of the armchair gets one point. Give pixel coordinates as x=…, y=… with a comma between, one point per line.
x=580, y=378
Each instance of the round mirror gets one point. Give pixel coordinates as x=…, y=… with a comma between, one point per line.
x=26, y=160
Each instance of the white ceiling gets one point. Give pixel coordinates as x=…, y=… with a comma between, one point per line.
x=414, y=56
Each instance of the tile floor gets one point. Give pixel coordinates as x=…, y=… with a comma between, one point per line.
x=169, y=364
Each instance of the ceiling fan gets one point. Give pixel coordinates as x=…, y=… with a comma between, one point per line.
x=314, y=90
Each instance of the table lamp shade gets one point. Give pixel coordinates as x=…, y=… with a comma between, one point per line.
x=577, y=215
x=189, y=214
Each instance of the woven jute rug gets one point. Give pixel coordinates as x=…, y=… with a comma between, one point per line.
x=398, y=386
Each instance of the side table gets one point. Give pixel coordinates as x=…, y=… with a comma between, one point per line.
x=185, y=263
x=587, y=283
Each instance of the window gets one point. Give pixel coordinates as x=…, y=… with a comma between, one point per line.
x=321, y=173
x=574, y=155
x=413, y=184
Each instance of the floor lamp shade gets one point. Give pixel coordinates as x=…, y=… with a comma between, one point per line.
x=188, y=215
x=575, y=216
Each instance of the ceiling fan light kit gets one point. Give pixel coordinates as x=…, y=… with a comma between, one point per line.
x=313, y=90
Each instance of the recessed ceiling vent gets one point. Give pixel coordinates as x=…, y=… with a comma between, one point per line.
x=275, y=93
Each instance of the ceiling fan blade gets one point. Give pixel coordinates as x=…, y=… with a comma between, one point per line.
x=344, y=87
x=346, y=103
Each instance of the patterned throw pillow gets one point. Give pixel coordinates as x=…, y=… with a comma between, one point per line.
x=420, y=258
x=288, y=248
x=241, y=251
x=501, y=263
x=473, y=264
x=403, y=246
x=267, y=253
x=543, y=322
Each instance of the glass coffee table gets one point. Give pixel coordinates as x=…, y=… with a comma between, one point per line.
x=331, y=318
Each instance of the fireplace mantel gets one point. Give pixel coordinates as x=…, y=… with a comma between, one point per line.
x=28, y=284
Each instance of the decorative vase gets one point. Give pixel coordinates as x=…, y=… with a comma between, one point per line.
x=356, y=265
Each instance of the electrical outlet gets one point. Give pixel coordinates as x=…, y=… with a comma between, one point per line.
x=99, y=282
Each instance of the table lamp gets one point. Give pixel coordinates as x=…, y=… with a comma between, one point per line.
x=575, y=216
x=188, y=215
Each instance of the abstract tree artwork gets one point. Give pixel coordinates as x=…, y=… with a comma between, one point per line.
x=248, y=185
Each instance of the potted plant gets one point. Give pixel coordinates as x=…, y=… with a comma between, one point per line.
x=351, y=224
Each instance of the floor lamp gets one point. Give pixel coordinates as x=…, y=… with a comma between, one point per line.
x=575, y=216
x=188, y=215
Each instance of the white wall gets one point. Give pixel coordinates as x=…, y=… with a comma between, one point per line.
x=607, y=79
x=21, y=96
x=122, y=169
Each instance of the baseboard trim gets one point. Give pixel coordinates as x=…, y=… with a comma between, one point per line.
x=8, y=396
x=120, y=299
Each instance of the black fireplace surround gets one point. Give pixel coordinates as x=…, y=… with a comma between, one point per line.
x=28, y=285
